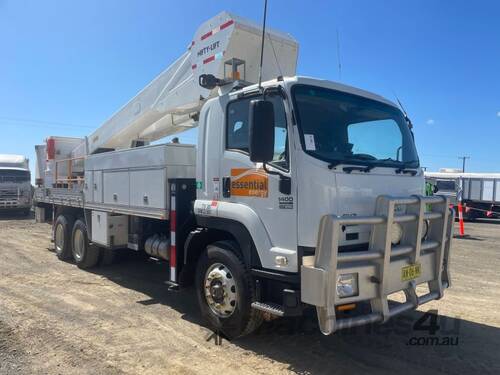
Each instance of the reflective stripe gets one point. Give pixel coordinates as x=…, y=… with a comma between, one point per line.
x=216, y=30
x=173, y=228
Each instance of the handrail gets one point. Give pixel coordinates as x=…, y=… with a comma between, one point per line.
x=69, y=178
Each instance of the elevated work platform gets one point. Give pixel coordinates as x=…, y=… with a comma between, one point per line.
x=226, y=46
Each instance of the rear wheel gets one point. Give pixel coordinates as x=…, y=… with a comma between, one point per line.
x=225, y=291
x=84, y=254
x=62, y=236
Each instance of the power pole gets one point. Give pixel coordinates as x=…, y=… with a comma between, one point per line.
x=463, y=162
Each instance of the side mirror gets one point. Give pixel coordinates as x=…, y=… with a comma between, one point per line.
x=261, y=132
x=435, y=189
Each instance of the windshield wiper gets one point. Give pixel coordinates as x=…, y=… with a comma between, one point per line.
x=362, y=168
x=366, y=169
x=333, y=164
x=403, y=170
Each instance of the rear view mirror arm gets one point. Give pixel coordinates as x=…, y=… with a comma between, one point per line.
x=284, y=183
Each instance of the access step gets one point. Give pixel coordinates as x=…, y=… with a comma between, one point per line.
x=269, y=307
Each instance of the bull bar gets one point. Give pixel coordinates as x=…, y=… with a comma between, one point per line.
x=379, y=268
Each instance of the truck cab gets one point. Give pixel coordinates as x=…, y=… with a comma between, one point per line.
x=325, y=165
x=15, y=184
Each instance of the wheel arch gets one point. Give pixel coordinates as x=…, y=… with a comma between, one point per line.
x=215, y=230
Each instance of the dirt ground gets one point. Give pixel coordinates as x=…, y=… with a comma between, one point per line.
x=122, y=319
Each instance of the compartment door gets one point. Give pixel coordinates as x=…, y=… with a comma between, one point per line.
x=148, y=188
x=88, y=187
x=97, y=187
x=116, y=188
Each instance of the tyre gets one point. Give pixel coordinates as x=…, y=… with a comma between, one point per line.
x=225, y=291
x=84, y=254
x=62, y=236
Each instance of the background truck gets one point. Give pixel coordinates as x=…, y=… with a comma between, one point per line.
x=299, y=193
x=479, y=192
x=15, y=184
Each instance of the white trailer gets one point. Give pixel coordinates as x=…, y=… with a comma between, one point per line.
x=299, y=193
x=479, y=192
x=15, y=184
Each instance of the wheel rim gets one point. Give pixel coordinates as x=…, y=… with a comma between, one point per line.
x=59, y=238
x=220, y=290
x=78, y=244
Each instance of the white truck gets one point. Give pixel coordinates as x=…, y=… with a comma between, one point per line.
x=15, y=184
x=299, y=193
x=479, y=192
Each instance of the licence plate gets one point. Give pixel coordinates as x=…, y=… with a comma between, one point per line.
x=411, y=272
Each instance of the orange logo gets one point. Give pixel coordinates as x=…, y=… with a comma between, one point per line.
x=249, y=182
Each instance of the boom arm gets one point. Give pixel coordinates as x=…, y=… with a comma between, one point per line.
x=225, y=46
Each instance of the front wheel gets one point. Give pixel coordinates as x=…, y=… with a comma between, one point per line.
x=225, y=291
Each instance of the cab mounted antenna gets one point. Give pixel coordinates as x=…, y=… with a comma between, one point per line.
x=410, y=125
x=262, y=43
x=338, y=56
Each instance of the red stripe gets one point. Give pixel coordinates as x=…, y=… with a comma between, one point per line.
x=173, y=256
x=226, y=24
x=205, y=36
x=173, y=221
x=193, y=66
x=209, y=59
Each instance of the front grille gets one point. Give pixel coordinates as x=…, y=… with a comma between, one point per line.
x=8, y=194
x=13, y=179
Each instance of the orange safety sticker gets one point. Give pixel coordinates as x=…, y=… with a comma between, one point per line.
x=247, y=182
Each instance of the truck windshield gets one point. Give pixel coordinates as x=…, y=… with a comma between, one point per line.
x=343, y=128
x=13, y=175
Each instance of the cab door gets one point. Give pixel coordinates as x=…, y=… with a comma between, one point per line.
x=248, y=183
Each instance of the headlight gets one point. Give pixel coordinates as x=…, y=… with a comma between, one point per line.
x=396, y=233
x=425, y=229
x=347, y=285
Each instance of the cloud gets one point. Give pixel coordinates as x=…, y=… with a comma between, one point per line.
x=430, y=121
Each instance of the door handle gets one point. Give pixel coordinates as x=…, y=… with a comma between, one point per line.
x=226, y=187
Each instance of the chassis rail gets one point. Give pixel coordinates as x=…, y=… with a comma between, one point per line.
x=379, y=269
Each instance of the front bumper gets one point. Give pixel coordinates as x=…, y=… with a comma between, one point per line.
x=379, y=269
x=12, y=204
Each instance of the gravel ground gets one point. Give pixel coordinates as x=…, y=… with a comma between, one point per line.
x=122, y=319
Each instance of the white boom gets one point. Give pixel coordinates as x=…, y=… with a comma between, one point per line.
x=226, y=46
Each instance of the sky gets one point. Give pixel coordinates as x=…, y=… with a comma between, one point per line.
x=66, y=66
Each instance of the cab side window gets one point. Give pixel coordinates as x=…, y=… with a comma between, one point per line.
x=237, y=129
x=237, y=125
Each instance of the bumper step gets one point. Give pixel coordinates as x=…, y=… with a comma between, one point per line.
x=269, y=307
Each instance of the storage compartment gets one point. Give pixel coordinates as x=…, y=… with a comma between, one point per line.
x=148, y=188
x=136, y=180
x=88, y=187
x=116, y=188
x=109, y=230
x=40, y=215
x=97, y=180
